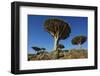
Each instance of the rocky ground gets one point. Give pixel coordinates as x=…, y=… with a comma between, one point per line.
x=60, y=54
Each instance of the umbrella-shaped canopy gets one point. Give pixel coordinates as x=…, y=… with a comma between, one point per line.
x=61, y=46
x=36, y=48
x=43, y=49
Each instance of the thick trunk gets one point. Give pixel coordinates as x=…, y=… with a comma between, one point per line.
x=56, y=41
x=56, y=54
x=79, y=45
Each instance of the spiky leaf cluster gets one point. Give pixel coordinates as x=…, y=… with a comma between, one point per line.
x=57, y=28
x=79, y=40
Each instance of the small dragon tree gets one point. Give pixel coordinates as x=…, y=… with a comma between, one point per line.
x=37, y=49
x=79, y=40
x=60, y=46
x=58, y=29
x=43, y=49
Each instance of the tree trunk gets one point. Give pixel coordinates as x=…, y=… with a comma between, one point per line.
x=79, y=45
x=56, y=41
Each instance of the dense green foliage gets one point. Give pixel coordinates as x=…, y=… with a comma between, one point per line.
x=58, y=28
x=79, y=40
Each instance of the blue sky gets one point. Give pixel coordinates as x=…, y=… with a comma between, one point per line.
x=37, y=36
